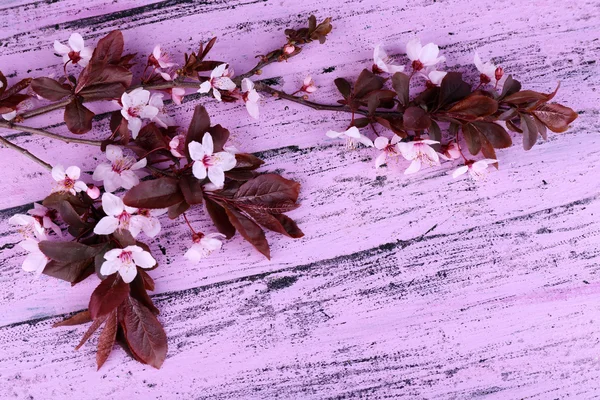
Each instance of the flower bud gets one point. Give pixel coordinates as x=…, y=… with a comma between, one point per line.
x=93, y=192
x=498, y=74
x=484, y=79
x=289, y=49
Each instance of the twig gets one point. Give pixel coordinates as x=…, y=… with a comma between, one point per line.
x=25, y=152
x=46, y=109
x=318, y=106
x=42, y=132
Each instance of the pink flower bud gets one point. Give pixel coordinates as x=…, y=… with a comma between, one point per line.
x=498, y=74
x=93, y=192
x=289, y=48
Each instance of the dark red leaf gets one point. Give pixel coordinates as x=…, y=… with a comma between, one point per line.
x=219, y=137
x=158, y=193
x=69, y=215
x=247, y=161
x=452, y=89
x=50, y=89
x=511, y=86
x=379, y=98
x=93, y=328
x=68, y=251
x=73, y=272
x=530, y=131
x=494, y=133
x=177, y=209
x=77, y=117
x=269, y=191
x=198, y=126
x=107, y=338
x=81, y=317
x=147, y=279
x=472, y=138
x=279, y=223
x=343, y=86
x=9, y=104
x=219, y=217
x=138, y=291
x=105, y=91
x=143, y=332
x=109, y=49
x=108, y=296
x=150, y=138
x=367, y=82
x=249, y=230
x=416, y=119
x=488, y=150
x=555, y=116
x=191, y=188
x=473, y=107
x=401, y=84
x=3, y=84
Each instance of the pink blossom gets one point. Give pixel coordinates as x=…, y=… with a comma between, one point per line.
x=353, y=137
x=28, y=226
x=125, y=262
x=477, y=169
x=136, y=107
x=450, y=152
x=207, y=163
x=159, y=58
x=75, y=52
x=419, y=152
x=45, y=217
x=385, y=63
x=203, y=246
x=308, y=85
x=118, y=215
x=36, y=260
x=177, y=146
x=176, y=93
x=68, y=180
x=423, y=56
x=219, y=80
x=250, y=97
x=388, y=148
x=119, y=172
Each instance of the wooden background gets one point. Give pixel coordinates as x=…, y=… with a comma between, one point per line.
x=403, y=287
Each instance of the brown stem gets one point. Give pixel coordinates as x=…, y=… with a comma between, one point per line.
x=318, y=106
x=25, y=152
x=46, y=108
x=42, y=132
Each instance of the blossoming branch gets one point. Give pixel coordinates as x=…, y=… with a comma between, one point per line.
x=83, y=229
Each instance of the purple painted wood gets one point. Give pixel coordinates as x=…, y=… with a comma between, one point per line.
x=415, y=287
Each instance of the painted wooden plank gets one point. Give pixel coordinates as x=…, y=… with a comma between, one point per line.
x=498, y=300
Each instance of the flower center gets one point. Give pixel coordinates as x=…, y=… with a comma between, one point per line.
x=74, y=56
x=209, y=161
x=417, y=65
x=124, y=219
x=126, y=257
x=134, y=111
x=122, y=164
x=68, y=183
x=391, y=149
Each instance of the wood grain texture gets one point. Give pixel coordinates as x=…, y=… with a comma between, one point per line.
x=403, y=287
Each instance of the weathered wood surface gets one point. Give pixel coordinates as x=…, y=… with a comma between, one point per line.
x=415, y=287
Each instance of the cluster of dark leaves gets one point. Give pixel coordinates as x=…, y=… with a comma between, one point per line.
x=247, y=202
x=126, y=310
x=299, y=37
x=10, y=97
x=195, y=63
x=106, y=77
x=472, y=112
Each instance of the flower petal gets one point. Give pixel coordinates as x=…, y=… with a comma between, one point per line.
x=207, y=144
x=144, y=259
x=61, y=48
x=129, y=179
x=76, y=42
x=58, y=173
x=196, y=150
x=73, y=172
x=413, y=49
x=106, y=225
x=380, y=160
x=111, y=204
x=35, y=262
x=110, y=267
x=429, y=54
x=128, y=273
x=140, y=164
x=216, y=176
x=199, y=170
x=381, y=142
x=80, y=186
x=414, y=166
x=460, y=171
x=113, y=153
x=205, y=87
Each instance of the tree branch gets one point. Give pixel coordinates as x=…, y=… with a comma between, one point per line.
x=41, y=132
x=25, y=152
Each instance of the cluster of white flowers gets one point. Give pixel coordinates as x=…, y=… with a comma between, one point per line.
x=419, y=151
